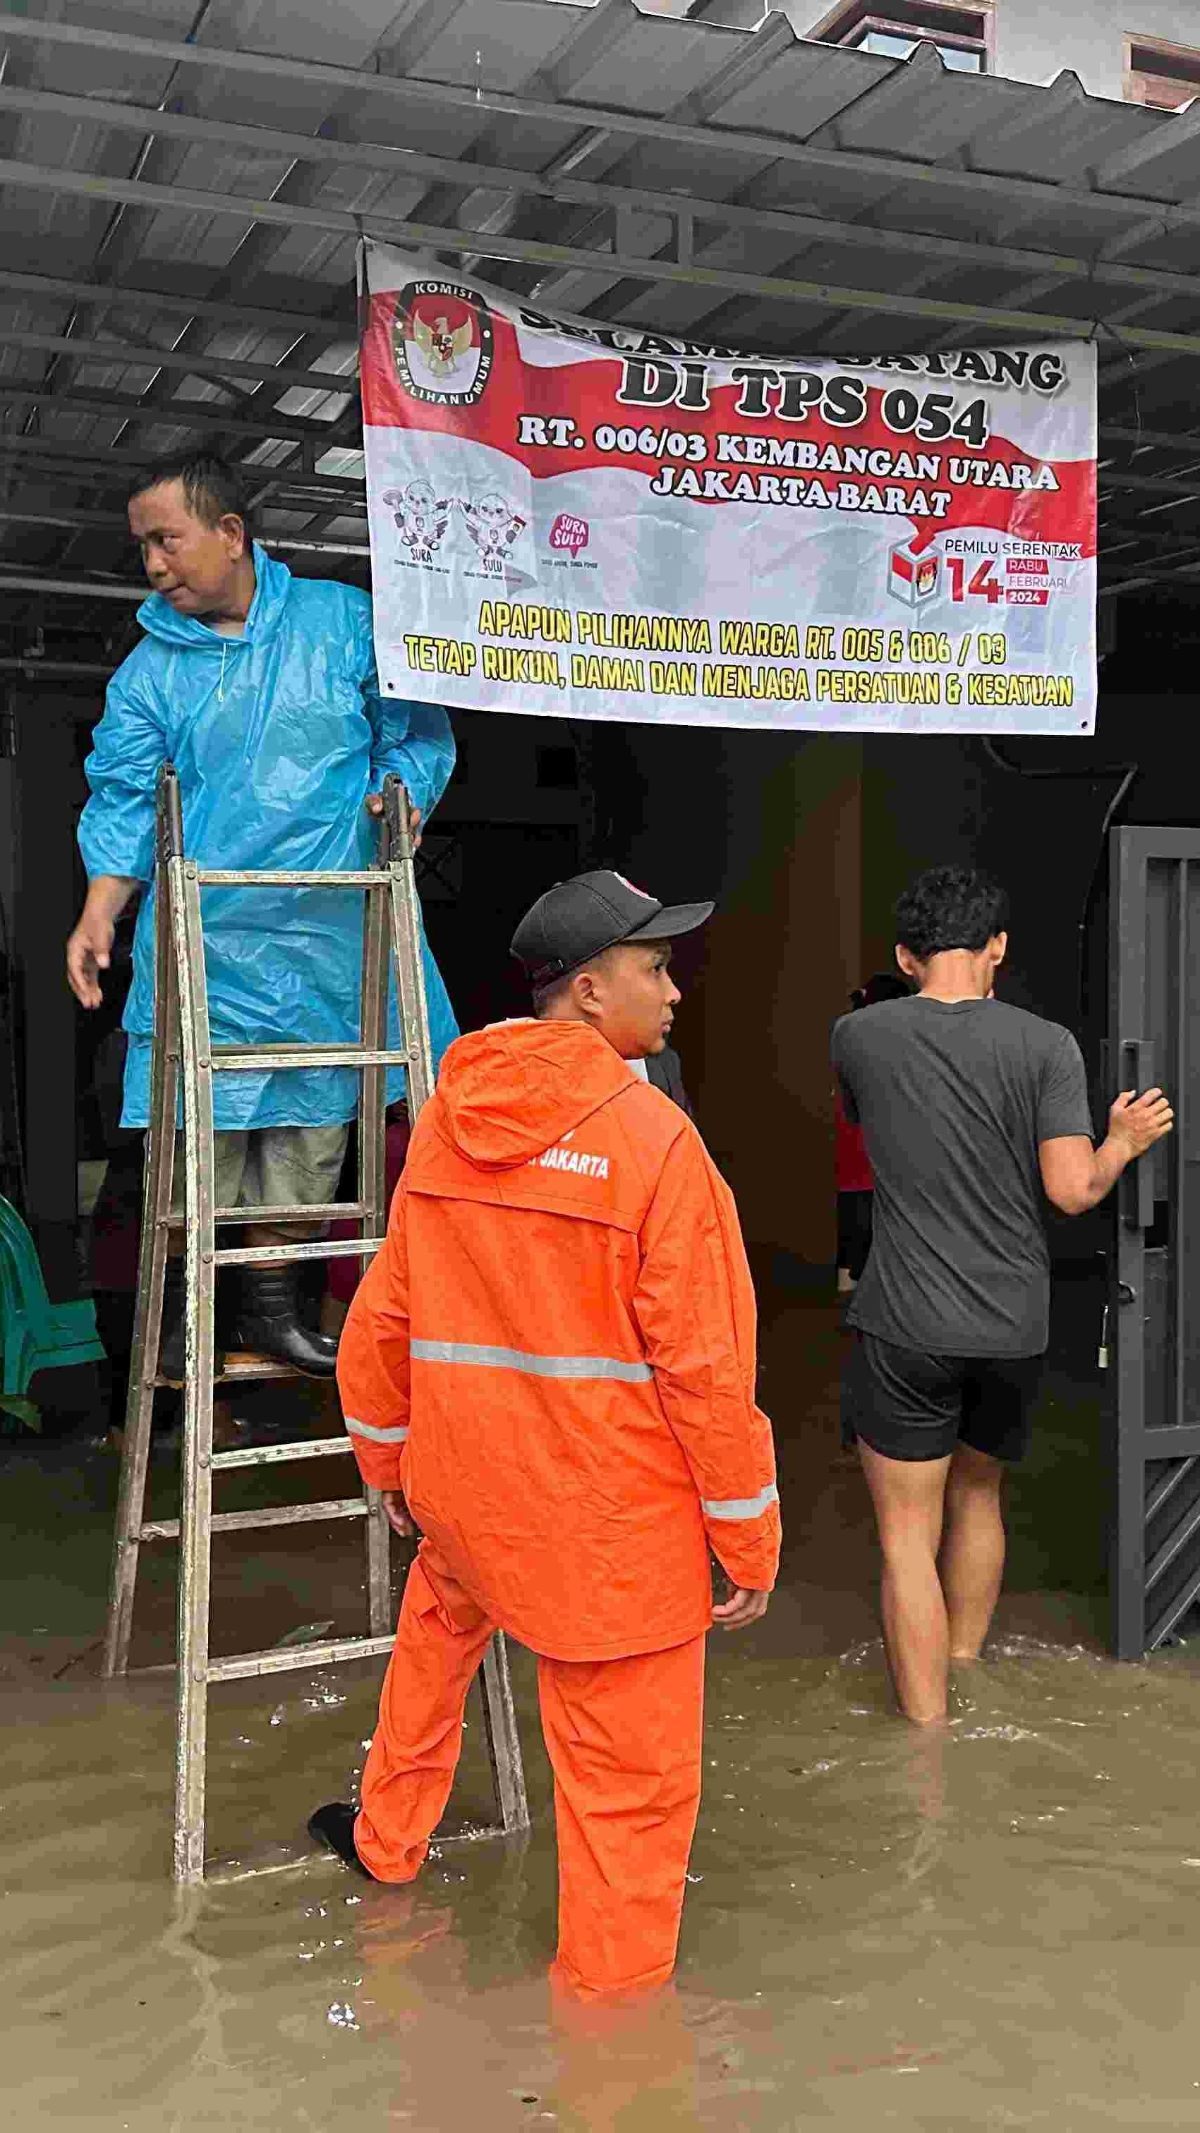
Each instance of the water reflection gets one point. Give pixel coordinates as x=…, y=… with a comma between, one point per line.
x=986, y=1925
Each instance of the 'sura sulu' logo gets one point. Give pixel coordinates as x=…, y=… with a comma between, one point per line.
x=443, y=344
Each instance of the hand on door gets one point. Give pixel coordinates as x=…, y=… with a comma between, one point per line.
x=1137, y=1122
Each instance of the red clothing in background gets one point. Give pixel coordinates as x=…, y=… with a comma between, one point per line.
x=853, y=1170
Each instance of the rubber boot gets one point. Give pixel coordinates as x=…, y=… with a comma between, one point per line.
x=268, y=1323
x=333, y=1826
x=171, y=1339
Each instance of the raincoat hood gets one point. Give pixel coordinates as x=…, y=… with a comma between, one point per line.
x=272, y=583
x=507, y=1093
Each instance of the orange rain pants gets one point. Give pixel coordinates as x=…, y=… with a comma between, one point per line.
x=623, y=1737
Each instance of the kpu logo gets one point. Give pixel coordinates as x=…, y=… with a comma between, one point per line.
x=912, y=574
x=443, y=344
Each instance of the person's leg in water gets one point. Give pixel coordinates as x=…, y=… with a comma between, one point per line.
x=440, y=1639
x=624, y=1739
x=971, y=1563
x=908, y=1496
x=904, y=1410
x=999, y=1395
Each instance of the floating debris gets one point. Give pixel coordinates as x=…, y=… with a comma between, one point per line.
x=307, y=1633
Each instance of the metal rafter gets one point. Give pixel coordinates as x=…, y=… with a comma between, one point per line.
x=122, y=356
x=82, y=461
x=176, y=414
x=459, y=176
x=783, y=288
x=115, y=247
x=252, y=257
x=534, y=220
x=49, y=288
x=599, y=120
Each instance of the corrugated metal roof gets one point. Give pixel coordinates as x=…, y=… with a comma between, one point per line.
x=182, y=183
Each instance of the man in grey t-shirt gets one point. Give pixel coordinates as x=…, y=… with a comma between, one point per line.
x=973, y=1112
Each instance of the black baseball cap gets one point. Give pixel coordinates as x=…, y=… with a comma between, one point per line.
x=579, y=919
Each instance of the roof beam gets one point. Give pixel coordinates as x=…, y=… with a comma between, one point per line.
x=589, y=119
x=81, y=462
x=123, y=356
x=136, y=589
x=174, y=414
x=470, y=177
x=89, y=588
x=826, y=295
x=1153, y=484
x=1157, y=141
x=51, y=288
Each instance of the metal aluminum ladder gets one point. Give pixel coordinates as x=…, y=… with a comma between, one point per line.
x=182, y=1049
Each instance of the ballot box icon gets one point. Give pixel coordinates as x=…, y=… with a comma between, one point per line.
x=912, y=578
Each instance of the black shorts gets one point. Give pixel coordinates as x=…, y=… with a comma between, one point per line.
x=911, y=1405
x=854, y=1231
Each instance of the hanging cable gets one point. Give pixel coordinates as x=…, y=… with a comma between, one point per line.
x=1126, y=774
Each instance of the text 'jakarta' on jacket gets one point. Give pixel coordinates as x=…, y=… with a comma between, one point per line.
x=553, y=1355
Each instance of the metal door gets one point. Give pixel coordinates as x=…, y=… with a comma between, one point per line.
x=1154, y=1312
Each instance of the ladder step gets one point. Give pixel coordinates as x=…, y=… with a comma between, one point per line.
x=269, y=1058
x=339, y=1211
x=274, y=1454
x=358, y=878
x=242, y=1369
x=292, y=1656
x=288, y=1514
x=323, y=1248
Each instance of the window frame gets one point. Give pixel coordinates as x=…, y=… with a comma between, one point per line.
x=1136, y=73
x=846, y=24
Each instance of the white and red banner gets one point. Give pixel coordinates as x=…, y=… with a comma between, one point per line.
x=574, y=521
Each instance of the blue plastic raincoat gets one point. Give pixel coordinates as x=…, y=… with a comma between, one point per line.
x=278, y=737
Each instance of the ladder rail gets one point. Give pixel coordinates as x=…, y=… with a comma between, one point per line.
x=195, y=1556
x=157, y=1183
x=183, y=1052
x=372, y=1188
x=499, y=1712
x=404, y=913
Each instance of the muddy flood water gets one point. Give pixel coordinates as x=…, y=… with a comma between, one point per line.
x=993, y=1929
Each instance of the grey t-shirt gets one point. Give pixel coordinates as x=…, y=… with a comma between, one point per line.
x=955, y=1098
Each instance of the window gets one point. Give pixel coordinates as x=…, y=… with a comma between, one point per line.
x=1163, y=75
x=895, y=28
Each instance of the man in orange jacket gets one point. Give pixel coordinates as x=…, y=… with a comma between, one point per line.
x=550, y=1368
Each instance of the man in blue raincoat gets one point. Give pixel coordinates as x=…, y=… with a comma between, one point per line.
x=261, y=689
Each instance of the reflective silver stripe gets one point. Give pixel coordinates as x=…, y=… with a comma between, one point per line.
x=532, y=1366
x=377, y=1436
x=740, y=1506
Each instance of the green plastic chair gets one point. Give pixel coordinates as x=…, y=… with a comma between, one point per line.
x=34, y=1333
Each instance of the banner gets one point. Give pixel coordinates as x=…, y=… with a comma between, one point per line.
x=582, y=522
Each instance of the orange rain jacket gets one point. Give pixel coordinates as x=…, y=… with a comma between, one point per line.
x=553, y=1355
